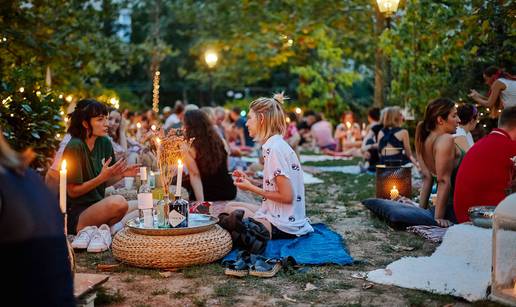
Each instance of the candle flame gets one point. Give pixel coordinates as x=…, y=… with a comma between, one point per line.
x=394, y=187
x=153, y=127
x=348, y=124
x=158, y=140
x=138, y=125
x=63, y=166
x=179, y=163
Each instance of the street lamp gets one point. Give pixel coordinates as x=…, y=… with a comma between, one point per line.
x=211, y=58
x=387, y=7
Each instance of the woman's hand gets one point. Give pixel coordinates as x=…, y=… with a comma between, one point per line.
x=116, y=169
x=243, y=184
x=239, y=174
x=473, y=94
x=443, y=223
x=131, y=170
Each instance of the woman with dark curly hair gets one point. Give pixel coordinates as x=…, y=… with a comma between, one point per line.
x=206, y=160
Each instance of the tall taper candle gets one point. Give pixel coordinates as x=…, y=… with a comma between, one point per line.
x=179, y=177
x=62, y=187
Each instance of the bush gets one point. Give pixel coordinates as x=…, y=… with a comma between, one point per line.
x=32, y=119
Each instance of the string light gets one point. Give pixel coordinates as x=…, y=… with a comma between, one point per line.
x=22, y=89
x=38, y=93
x=153, y=127
x=298, y=110
x=61, y=96
x=69, y=98
x=155, y=92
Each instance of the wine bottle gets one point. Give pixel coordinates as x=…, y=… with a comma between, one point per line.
x=178, y=215
x=162, y=212
x=145, y=201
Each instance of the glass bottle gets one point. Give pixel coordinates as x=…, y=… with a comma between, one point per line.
x=145, y=205
x=178, y=215
x=162, y=211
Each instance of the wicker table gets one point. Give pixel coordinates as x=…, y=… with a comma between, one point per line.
x=171, y=251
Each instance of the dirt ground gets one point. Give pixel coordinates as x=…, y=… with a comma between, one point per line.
x=371, y=243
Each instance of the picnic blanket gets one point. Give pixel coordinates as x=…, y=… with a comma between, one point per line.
x=323, y=246
x=433, y=234
x=348, y=169
x=460, y=266
x=317, y=158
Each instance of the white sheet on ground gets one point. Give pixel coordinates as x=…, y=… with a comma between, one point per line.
x=348, y=169
x=317, y=158
x=460, y=266
x=310, y=179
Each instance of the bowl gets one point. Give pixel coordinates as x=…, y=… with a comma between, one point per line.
x=482, y=216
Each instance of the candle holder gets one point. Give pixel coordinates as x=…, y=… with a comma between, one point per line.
x=393, y=181
x=503, y=273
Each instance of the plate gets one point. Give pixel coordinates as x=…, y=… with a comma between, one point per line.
x=196, y=223
x=482, y=216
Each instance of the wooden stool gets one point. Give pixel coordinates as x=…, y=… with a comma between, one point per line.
x=85, y=286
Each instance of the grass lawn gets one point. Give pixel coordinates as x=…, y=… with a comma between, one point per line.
x=336, y=203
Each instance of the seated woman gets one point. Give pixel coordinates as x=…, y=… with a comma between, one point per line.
x=123, y=146
x=206, y=161
x=92, y=167
x=282, y=212
x=394, y=141
x=292, y=136
x=439, y=158
x=370, y=144
x=468, y=115
x=348, y=135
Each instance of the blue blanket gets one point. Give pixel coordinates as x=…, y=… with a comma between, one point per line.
x=323, y=246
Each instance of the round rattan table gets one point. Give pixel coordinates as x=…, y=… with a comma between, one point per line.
x=171, y=251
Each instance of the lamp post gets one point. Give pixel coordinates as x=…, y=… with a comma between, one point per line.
x=211, y=58
x=386, y=9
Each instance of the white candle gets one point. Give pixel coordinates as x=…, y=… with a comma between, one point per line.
x=179, y=177
x=62, y=187
x=394, y=193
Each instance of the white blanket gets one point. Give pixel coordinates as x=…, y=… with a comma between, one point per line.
x=310, y=179
x=460, y=266
x=317, y=158
x=347, y=169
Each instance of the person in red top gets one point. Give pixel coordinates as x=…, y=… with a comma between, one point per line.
x=487, y=169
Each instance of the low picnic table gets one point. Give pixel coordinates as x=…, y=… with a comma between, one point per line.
x=85, y=287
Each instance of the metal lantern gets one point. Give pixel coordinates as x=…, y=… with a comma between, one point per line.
x=393, y=181
x=503, y=273
x=388, y=7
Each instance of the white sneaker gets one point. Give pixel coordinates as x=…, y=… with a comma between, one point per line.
x=83, y=238
x=101, y=240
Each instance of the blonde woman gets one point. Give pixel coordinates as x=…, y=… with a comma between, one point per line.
x=394, y=141
x=282, y=211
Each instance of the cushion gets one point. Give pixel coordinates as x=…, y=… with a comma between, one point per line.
x=399, y=215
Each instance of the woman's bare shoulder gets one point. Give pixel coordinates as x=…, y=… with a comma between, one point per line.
x=444, y=141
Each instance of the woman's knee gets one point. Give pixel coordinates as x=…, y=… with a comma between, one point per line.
x=118, y=204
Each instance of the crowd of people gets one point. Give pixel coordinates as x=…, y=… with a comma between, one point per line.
x=102, y=146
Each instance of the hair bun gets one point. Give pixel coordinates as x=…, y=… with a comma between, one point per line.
x=280, y=97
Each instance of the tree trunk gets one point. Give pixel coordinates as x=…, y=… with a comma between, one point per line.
x=379, y=93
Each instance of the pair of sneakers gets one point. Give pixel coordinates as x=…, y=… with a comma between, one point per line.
x=94, y=239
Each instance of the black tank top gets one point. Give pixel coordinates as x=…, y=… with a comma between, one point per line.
x=216, y=186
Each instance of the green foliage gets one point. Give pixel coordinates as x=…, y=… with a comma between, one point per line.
x=440, y=49
x=324, y=75
x=32, y=119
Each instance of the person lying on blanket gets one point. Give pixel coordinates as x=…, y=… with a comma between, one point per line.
x=282, y=212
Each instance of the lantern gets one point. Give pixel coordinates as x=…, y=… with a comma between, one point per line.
x=388, y=7
x=503, y=273
x=393, y=181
